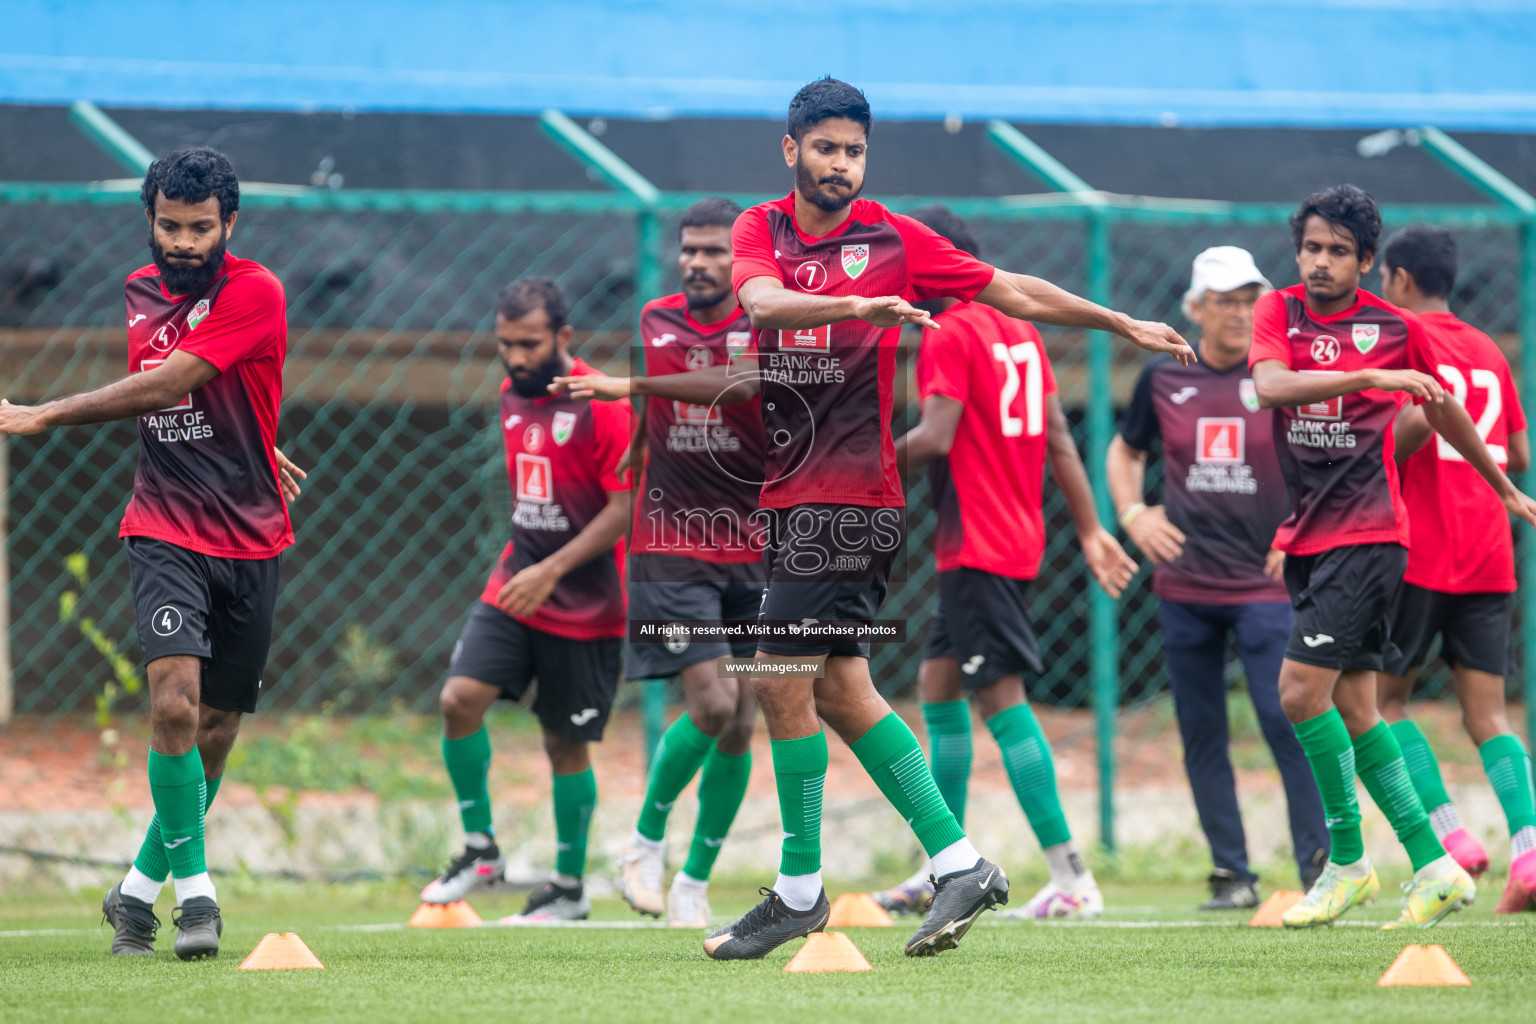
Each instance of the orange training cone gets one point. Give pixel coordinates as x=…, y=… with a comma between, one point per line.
x=858, y=910
x=1270, y=911
x=283, y=952
x=445, y=915
x=827, y=951
x=1424, y=965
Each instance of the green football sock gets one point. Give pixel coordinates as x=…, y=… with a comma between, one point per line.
x=176, y=784
x=678, y=756
x=469, y=768
x=1027, y=758
x=152, y=860
x=722, y=787
x=889, y=752
x=949, y=751
x=575, y=800
x=1423, y=768
x=1509, y=769
x=1379, y=760
x=800, y=772
x=1332, y=756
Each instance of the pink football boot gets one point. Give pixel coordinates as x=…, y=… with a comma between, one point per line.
x=1466, y=851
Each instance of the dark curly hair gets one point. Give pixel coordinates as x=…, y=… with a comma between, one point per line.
x=1428, y=253
x=526, y=294
x=191, y=176
x=1347, y=206
x=948, y=223
x=713, y=212
x=823, y=99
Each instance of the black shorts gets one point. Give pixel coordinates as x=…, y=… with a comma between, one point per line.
x=216, y=609
x=577, y=678
x=1475, y=629
x=1343, y=601
x=681, y=590
x=829, y=562
x=982, y=621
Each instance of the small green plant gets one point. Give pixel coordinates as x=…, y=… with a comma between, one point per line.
x=126, y=677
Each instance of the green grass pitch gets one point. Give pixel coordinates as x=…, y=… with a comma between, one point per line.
x=1152, y=957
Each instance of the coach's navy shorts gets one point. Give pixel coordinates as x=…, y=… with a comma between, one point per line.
x=216, y=609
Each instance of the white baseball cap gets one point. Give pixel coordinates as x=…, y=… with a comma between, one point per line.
x=1222, y=268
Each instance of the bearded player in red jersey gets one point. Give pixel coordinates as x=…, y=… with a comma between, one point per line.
x=1337, y=363
x=1460, y=580
x=692, y=560
x=991, y=419
x=205, y=529
x=553, y=607
x=828, y=280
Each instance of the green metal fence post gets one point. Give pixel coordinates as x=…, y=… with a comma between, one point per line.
x=1103, y=617
x=653, y=713
x=112, y=137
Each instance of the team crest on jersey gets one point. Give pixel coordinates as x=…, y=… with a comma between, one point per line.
x=737, y=342
x=1365, y=336
x=561, y=426
x=198, y=315
x=699, y=357
x=1325, y=348
x=1248, y=394
x=533, y=437
x=855, y=259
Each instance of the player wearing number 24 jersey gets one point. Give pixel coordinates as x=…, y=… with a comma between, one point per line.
x=1461, y=566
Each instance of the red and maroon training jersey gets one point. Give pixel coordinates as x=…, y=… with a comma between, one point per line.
x=1461, y=541
x=561, y=460
x=207, y=478
x=827, y=391
x=987, y=489
x=1336, y=456
x=704, y=463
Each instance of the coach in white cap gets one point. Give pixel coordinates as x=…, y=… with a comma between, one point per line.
x=1216, y=575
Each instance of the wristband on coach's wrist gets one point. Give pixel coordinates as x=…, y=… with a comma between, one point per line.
x=1129, y=515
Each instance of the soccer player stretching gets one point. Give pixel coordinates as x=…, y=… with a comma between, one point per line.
x=205, y=528
x=991, y=418
x=1460, y=580
x=553, y=608
x=1336, y=363
x=826, y=278
x=691, y=559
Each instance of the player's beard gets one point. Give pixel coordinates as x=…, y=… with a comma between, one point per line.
x=809, y=186
x=187, y=278
x=702, y=299
x=534, y=383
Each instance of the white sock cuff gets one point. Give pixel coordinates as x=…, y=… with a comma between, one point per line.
x=798, y=892
x=1522, y=842
x=194, y=886
x=689, y=882
x=649, y=844
x=478, y=840
x=959, y=855
x=140, y=886
x=1359, y=869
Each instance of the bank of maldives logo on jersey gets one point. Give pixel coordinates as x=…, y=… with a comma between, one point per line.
x=1365, y=336
x=855, y=259
x=533, y=479
x=1221, y=440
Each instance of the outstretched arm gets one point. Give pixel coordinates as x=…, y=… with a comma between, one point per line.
x=1029, y=298
x=714, y=385
x=147, y=391
x=771, y=305
x=1106, y=559
x=1280, y=386
x=1451, y=422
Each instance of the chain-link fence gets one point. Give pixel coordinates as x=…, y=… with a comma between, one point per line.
x=390, y=385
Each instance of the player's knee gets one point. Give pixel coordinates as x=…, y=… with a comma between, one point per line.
x=566, y=756
x=711, y=710
x=1298, y=701
x=458, y=711
x=1392, y=708
x=1483, y=724
x=174, y=716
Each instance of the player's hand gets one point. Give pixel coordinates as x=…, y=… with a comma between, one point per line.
x=531, y=587
x=1520, y=505
x=604, y=389
x=288, y=477
x=1157, y=538
x=890, y=311
x=1274, y=564
x=1412, y=382
x=21, y=419
x=1156, y=337
x=1108, y=562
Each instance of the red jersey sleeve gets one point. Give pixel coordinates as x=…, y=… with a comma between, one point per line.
x=1420, y=353
x=246, y=319
x=935, y=267
x=1514, y=416
x=946, y=369
x=610, y=429
x=752, y=248
x=1269, y=338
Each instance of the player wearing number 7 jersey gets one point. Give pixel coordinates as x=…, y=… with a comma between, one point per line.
x=991, y=419
x=1460, y=579
x=1336, y=363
